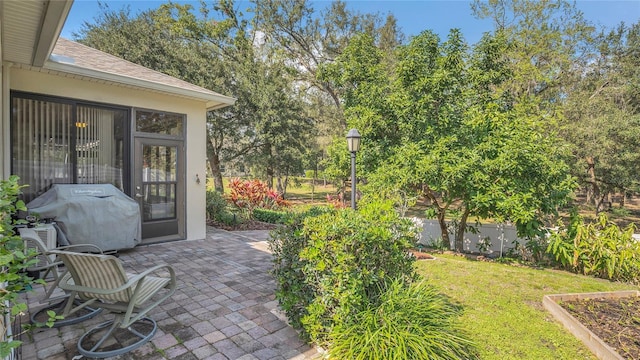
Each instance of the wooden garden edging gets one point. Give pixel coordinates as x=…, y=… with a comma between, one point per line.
x=599, y=348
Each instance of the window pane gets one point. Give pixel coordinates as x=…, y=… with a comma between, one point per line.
x=159, y=163
x=159, y=181
x=41, y=139
x=159, y=201
x=100, y=145
x=52, y=144
x=159, y=122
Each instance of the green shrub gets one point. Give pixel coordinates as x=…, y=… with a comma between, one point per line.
x=218, y=210
x=620, y=212
x=270, y=216
x=216, y=205
x=286, y=243
x=599, y=248
x=331, y=266
x=230, y=218
x=13, y=260
x=535, y=250
x=410, y=322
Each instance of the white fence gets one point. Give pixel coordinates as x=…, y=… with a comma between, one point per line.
x=498, y=237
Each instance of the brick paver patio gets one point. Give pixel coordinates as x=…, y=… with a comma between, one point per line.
x=224, y=306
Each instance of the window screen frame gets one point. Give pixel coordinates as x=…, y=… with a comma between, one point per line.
x=75, y=103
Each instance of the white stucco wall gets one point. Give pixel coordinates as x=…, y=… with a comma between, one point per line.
x=3, y=139
x=195, y=138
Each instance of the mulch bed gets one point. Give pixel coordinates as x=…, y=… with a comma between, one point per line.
x=419, y=255
x=615, y=321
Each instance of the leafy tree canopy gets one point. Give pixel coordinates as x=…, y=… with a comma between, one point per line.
x=442, y=127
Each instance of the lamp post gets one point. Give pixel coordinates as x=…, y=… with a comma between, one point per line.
x=353, y=142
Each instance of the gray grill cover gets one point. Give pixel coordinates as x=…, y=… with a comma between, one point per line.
x=97, y=214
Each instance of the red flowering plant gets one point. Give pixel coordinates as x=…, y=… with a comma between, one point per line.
x=248, y=195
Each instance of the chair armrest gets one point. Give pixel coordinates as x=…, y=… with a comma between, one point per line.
x=144, y=274
x=139, y=279
x=131, y=282
x=74, y=246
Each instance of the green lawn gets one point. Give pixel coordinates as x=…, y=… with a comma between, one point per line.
x=503, y=310
x=305, y=189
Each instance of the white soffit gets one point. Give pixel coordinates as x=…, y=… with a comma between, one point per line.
x=30, y=29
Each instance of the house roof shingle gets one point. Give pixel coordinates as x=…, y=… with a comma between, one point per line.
x=68, y=56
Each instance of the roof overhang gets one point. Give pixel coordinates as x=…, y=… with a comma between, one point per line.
x=53, y=21
x=213, y=102
x=30, y=29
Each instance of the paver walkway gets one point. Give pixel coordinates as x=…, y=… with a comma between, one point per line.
x=224, y=306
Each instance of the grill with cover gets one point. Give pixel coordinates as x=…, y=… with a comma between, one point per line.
x=97, y=214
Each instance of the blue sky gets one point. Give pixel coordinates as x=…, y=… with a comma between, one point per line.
x=413, y=16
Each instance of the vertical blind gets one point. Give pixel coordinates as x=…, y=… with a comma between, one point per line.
x=62, y=142
x=41, y=132
x=96, y=147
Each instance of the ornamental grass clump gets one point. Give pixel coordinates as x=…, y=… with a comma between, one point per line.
x=409, y=322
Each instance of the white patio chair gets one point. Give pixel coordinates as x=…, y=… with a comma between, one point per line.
x=46, y=267
x=130, y=297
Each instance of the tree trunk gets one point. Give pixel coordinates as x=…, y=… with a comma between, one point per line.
x=600, y=204
x=593, y=193
x=343, y=193
x=269, y=171
x=214, y=162
x=623, y=198
x=443, y=227
x=279, y=184
x=441, y=212
x=462, y=226
x=270, y=176
x=282, y=183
